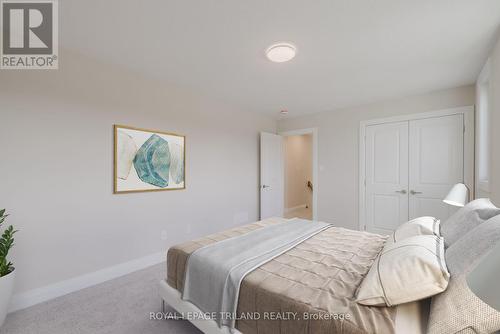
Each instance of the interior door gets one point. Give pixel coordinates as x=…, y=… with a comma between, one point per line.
x=386, y=176
x=436, y=164
x=272, y=179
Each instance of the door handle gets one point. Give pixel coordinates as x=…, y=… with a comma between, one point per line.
x=401, y=191
x=264, y=186
x=413, y=192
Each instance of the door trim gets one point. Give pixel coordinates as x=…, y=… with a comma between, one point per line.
x=469, y=160
x=314, y=132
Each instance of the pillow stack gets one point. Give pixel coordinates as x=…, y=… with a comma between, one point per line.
x=471, y=238
x=410, y=267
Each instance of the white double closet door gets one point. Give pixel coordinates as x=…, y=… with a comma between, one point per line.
x=410, y=167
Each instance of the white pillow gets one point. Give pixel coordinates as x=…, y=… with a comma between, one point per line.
x=414, y=227
x=407, y=270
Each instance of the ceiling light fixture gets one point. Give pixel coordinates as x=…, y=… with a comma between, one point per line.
x=281, y=52
x=284, y=112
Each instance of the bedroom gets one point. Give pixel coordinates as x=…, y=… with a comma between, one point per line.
x=90, y=253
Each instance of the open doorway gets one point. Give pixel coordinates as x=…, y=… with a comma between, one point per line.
x=289, y=174
x=298, y=149
x=300, y=169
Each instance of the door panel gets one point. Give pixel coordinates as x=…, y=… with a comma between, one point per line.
x=436, y=164
x=272, y=189
x=386, y=211
x=386, y=176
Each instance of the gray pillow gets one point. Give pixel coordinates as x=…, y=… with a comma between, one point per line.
x=465, y=219
x=468, y=250
x=458, y=309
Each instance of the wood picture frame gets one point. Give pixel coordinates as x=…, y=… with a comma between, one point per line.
x=147, y=160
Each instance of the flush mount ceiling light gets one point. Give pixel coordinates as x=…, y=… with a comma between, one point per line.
x=281, y=52
x=284, y=112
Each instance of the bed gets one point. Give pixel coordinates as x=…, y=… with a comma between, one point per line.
x=308, y=289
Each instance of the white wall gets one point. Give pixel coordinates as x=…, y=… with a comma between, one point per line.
x=338, y=142
x=298, y=170
x=56, y=174
x=495, y=125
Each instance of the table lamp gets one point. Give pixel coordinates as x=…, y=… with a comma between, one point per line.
x=458, y=195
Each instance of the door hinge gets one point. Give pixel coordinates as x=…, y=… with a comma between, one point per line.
x=464, y=128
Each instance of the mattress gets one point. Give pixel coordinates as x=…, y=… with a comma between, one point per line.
x=309, y=289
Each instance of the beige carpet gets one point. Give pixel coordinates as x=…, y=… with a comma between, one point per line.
x=120, y=306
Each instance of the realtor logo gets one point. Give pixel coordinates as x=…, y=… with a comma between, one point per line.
x=29, y=34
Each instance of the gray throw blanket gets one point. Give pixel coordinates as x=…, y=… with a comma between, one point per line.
x=214, y=272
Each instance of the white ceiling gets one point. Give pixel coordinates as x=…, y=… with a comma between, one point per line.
x=350, y=52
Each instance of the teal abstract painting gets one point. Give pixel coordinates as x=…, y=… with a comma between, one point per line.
x=147, y=160
x=152, y=161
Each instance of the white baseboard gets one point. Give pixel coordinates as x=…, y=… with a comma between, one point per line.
x=35, y=296
x=302, y=206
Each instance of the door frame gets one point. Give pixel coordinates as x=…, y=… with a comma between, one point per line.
x=314, y=132
x=469, y=157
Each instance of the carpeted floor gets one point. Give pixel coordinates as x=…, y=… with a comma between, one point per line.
x=120, y=306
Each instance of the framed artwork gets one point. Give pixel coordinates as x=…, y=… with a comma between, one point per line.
x=148, y=160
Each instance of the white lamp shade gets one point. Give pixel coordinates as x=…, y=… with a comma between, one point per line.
x=483, y=279
x=458, y=195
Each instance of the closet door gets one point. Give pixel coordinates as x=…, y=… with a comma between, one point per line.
x=436, y=164
x=386, y=176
